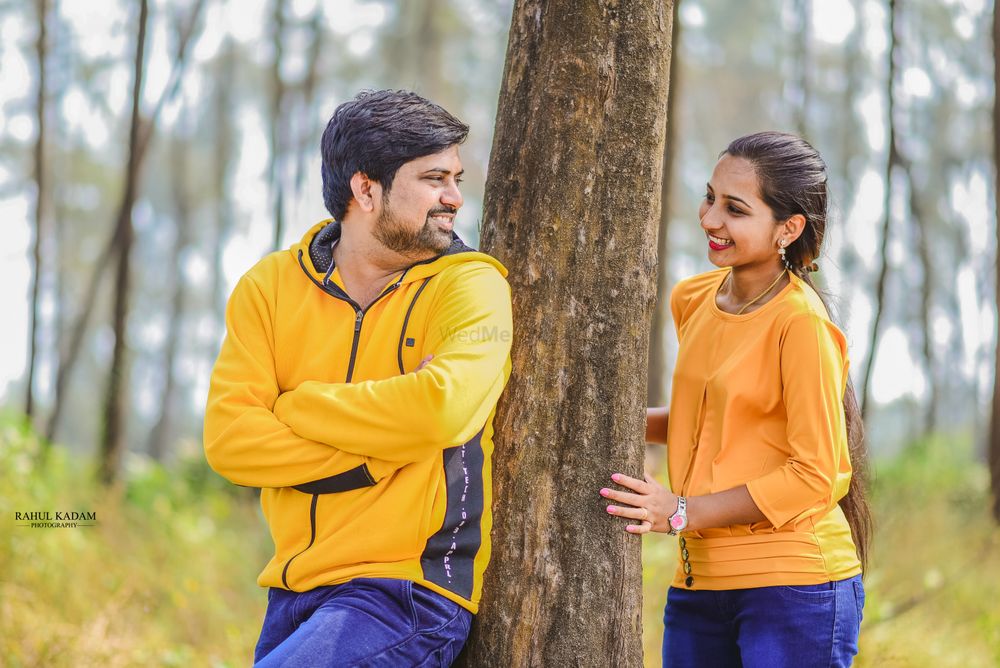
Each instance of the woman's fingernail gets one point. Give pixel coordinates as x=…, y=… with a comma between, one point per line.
x=605, y=491
x=611, y=509
x=616, y=476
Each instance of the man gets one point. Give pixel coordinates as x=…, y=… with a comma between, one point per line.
x=356, y=386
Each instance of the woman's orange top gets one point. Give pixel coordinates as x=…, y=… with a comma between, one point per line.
x=757, y=401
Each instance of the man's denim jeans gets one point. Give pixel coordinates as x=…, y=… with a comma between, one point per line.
x=803, y=626
x=364, y=622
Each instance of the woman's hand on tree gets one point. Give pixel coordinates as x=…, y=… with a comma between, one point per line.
x=649, y=502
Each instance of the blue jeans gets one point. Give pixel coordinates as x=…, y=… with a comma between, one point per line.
x=364, y=622
x=799, y=626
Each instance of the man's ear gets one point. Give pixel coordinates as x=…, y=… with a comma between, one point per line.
x=365, y=191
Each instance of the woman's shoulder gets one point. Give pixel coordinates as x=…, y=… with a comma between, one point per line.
x=699, y=286
x=690, y=293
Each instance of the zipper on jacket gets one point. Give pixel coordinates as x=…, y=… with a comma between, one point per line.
x=359, y=316
x=359, y=313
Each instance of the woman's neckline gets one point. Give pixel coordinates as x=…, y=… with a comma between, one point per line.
x=723, y=275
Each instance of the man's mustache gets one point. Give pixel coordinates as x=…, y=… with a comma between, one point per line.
x=442, y=209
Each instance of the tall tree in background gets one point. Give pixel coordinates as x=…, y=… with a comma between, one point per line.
x=994, y=442
x=922, y=230
x=222, y=113
x=574, y=219
x=656, y=380
x=802, y=64
x=415, y=50
x=921, y=226
x=304, y=147
x=112, y=443
x=70, y=354
x=892, y=163
x=279, y=123
x=179, y=170
x=852, y=141
x=42, y=7
x=60, y=210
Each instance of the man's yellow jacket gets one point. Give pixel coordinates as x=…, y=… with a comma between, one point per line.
x=368, y=467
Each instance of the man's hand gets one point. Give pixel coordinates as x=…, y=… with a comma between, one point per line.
x=424, y=362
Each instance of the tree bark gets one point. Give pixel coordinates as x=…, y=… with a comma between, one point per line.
x=40, y=198
x=112, y=443
x=656, y=383
x=574, y=219
x=892, y=163
x=994, y=441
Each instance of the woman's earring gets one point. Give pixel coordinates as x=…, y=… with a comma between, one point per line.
x=781, y=252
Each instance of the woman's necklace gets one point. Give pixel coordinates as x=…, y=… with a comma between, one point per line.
x=758, y=297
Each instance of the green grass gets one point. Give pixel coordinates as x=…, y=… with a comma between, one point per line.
x=168, y=577
x=934, y=591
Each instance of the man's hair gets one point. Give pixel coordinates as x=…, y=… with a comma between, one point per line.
x=375, y=134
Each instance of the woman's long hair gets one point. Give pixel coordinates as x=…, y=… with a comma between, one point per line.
x=792, y=179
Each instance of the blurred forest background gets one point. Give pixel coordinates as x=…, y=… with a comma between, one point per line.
x=151, y=153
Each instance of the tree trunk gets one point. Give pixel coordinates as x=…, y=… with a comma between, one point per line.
x=803, y=16
x=307, y=130
x=994, y=443
x=40, y=196
x=428, y=53
x=656, y=382
x=59, y=69
x=922, y=224
x=850, y=135
x=159, y=435
x=278, y=123
x=891, y=163
x=69, y=356
x=112, y=443
x=574, y=219
x=222, y=103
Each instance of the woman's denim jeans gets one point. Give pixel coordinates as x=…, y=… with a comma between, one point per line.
x=802, y=626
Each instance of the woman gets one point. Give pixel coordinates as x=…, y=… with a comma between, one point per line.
x=763, y=431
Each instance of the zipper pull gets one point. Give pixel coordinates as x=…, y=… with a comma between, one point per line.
x=357, y=321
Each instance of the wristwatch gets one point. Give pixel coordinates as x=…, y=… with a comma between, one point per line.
x=679, y=520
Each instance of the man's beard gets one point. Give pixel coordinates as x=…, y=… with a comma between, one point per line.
x=394, y=235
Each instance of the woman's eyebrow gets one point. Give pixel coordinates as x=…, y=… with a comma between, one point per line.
x=737, y=199
x=732, y=197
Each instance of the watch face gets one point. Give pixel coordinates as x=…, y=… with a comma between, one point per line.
x=677, y=522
